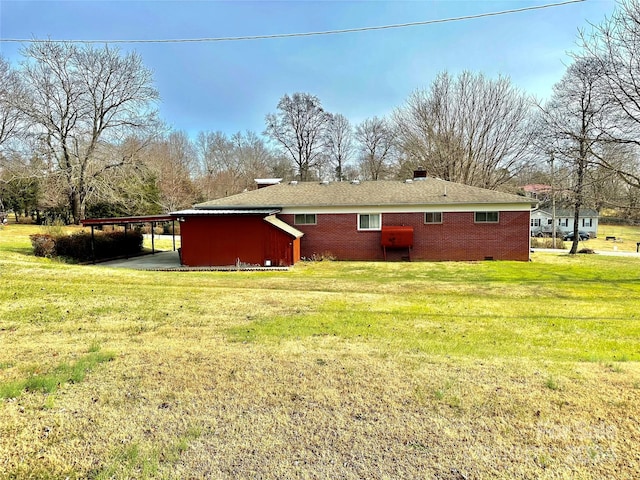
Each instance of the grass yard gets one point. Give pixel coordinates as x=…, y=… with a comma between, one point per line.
x=627, y=238
x=331, y=370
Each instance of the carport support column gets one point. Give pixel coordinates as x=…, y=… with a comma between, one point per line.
x=173, y=233
x=126, y=249
x=153, y=244
x=93, y=247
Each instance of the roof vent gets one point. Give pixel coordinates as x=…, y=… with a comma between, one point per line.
x=355, y=182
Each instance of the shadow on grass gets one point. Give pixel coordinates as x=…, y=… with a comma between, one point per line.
x=27, y=251
x=471, y=335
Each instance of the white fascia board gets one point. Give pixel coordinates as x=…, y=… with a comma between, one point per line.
x=481, y=207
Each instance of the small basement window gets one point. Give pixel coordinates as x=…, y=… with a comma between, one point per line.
x=433, y=217
x=369, y=221
x=304, y=219
x=487, y=217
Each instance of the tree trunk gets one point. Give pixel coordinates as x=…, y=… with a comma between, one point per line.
x=76, y=207
x=582, y=166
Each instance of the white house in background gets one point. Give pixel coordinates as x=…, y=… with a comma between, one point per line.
x=542, y=221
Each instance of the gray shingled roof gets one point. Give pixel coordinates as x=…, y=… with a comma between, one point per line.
x=430, y=191
x=569, y=212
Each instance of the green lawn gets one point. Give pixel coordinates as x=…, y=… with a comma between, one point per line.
x=331, y=370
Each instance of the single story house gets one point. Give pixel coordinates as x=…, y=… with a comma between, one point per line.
x=417, y=219
x=542, y=221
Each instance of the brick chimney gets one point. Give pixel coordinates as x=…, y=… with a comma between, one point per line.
x=419, y=172
x=266, y=182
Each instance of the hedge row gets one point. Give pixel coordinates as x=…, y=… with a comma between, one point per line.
x=78, y=245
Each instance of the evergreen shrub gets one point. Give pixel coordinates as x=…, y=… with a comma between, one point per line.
x=77, y=246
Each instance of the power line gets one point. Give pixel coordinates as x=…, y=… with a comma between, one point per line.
x=306, y=34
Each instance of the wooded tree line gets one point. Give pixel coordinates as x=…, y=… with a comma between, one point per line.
x=80, y=134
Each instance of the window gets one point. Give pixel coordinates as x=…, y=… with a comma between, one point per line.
x=535, y=222
x=369, y=221
x=587, y=222
x=304, y=219
x=433, y=217
x=486, y=217
x=563, y=222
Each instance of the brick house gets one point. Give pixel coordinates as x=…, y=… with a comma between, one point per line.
x=419, y=219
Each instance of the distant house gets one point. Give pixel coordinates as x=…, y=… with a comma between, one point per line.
x=543, y=193
x=417, y=219
x=538, y=191
x=542, y=221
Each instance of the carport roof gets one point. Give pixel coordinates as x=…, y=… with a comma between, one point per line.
x=87, y=222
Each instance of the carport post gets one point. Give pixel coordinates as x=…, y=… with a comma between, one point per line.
x=173, y=233
x=153, y=245
x=126, y=250
x=93, y=248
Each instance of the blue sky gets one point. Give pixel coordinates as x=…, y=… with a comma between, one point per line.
x=231, y=86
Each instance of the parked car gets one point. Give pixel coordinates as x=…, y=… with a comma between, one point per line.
x=581, y=236
x=541, y=233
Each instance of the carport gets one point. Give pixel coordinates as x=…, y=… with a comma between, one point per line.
x=127, y=222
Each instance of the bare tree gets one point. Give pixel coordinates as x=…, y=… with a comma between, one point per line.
x=574, y=124
x=615, y=46
x=170, y=162
x=376, y=143
x=81, y=101
x=299, y=129
x=256, y=159
x=467, y=129
x=604, y=186
x=229, y=165
x=9, y=93
x=339, y=144
x=216, y=153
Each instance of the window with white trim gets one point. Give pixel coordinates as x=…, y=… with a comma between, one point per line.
x=433, y=217
x=535, y=222
x=369, y=221
x=304, y=219
x=487, y=217
x=563, y=222
x=587, y=222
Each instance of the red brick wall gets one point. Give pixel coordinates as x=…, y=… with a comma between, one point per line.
x=458, y=237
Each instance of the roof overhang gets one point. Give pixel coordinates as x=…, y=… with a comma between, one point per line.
x=285, y=227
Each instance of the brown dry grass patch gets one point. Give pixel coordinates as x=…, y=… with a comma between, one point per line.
x=332, y=370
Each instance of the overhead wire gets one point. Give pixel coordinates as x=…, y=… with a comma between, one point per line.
x=303, y=34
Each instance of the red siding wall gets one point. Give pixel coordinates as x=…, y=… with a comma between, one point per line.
x=222, y=240
x=458, y=237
